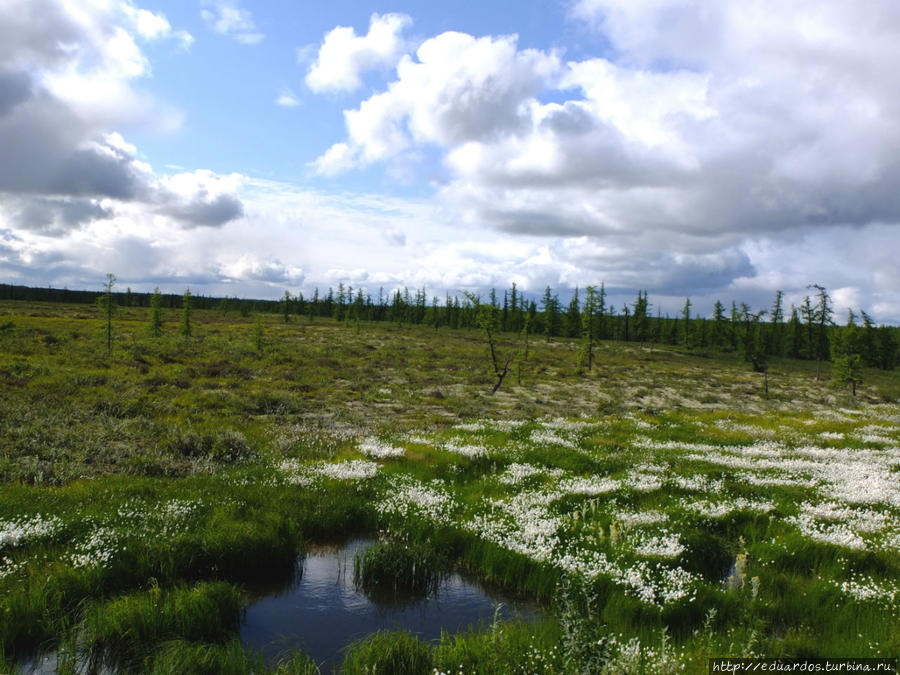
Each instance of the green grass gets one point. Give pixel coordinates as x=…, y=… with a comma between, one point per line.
x=144, y=489
x=398, y=568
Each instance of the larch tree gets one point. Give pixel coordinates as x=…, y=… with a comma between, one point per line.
x=108, y=305
x=156, y=313
x=186, y=312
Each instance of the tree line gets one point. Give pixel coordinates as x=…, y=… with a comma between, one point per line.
x=808, y=331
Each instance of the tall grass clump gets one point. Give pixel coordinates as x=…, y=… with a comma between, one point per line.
x=182, y=656
x=124, y=630
x=393, y=567
x=388, y=653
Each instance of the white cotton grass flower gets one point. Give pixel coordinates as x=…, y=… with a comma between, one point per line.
x=378, y=449
x=697, y=483
x=832, y=435
x=21, y=530
x=651, y=583
x=544, y=437
x=665, y=545
x=307, y=474
x=591, y=486
x=860, y=519
x=631, y=519
x=868, y=589
x=749, y=429
x=570, y=426
x=875, y=439
x=9, y=567
x=355, y=469
x=406, y=496
x=517, y=472
x=505, y=425
x=523, y=524
x=836, y=534
x=470, y=450
x=469, y=426
x=98, y=549
x=721, y=508
x=641, y=481
x=417, y=439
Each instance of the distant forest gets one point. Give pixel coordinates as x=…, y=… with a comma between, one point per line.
x=810, y=331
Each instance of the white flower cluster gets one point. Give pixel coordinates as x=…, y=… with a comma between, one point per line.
x=522, y=524
x=749, y=429
x=465, y=449
x=645, y=443
x=181, y=508
x=544, y=437
x=630, y=519
x=168, y=518
x=505, y=425
x=8, y=567
x=867, y=589
x=308, y=474
x=832, y=435
x=666, y=545
x=654, y=584
x=697, y=483
x=593, y=485
x=20, y=530
x=837, y=534
x=571, y=426
x=515, y=473
x=416, y=438
x=97, y=550
x=860, y=519
x=722, y=508
x=469, y=426
x=852, y=475
x=379, y=449
x=407, y=496
x=875, y=439
x=641, y=481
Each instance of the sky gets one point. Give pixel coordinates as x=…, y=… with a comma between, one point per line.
x=694, y=149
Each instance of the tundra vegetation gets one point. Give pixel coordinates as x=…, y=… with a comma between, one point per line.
x=637, y=479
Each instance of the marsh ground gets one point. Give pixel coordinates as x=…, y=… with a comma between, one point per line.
x=662, y=505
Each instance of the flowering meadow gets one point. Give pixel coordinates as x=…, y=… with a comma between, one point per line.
x=652, y=537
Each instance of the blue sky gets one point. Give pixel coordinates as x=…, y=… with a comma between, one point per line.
x=711, y=150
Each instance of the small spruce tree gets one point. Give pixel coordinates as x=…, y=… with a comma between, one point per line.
x=156, y=313
x=186, y=309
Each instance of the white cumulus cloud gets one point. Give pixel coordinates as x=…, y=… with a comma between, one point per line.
x=344, y=55
x=228, y=18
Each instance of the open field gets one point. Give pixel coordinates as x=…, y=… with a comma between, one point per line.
x=662, y=507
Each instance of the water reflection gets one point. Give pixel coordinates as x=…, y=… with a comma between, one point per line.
x=323, y=611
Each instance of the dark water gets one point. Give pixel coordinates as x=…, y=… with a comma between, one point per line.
x=322, y=612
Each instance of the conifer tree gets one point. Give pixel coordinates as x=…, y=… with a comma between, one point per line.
x=587, y=326
x=550, y=308
x=108, y=305
x=718, y=331
x=639, y=318
x=186, y=310
x=258, y=334
x=573, y=316
x=775, y=341
x=287, y=306
x=847, y=367
x=687, y=333
x=795, y=348
x=515, y=318
x=807, y=314
x=822, y=316
x=156, y=313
